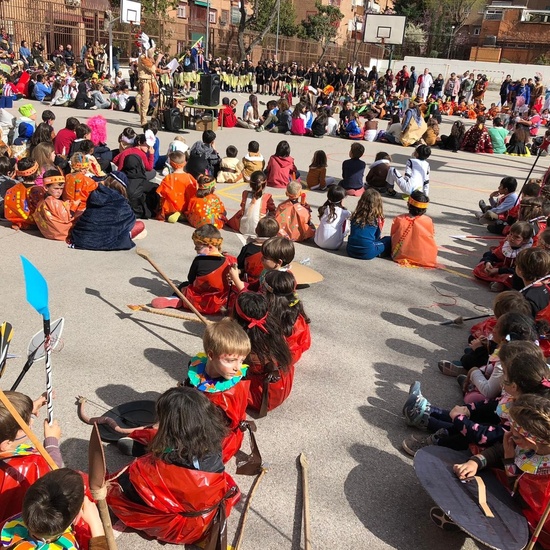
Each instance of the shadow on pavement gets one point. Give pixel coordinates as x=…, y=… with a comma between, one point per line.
x=173, y=362
x=383, y=478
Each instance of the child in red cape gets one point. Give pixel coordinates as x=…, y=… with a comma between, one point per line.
x=174, y=492
x=207, y=287
x=219, y=373
x=270, y=371
x=20, y=464
x=285, y=305
x=525, y=454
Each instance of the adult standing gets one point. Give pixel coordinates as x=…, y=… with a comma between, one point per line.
x=505, y=90
x=467, y=88
x=402, y=79
x=452, y=87
x=425, y=85
x=538, y=90
x=411, y=84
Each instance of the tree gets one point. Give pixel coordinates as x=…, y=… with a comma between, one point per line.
x=287, y=19
x=322, y=26
x=413, y=10
x=248, y=21
x=415, y=38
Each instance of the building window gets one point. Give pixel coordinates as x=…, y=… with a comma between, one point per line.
x=182, y=11
x=477, y=31
x=213, y=17
x=235, y=15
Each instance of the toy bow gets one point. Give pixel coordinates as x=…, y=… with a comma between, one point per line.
x=108, y=421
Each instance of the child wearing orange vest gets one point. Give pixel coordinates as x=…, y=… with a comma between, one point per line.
x=18, y=202
x=294, y=215
x=176, y=189
x=78, y=185
x=206, y=207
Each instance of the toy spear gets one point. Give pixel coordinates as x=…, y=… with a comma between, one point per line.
x=37, y=296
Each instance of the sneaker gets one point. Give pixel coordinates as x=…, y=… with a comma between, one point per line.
x=449, y=368
x=483, y=206
x=416, y=411
x=260, y=129
x=391, y=192
x=497, y=287
x=413, y=443
x=442, y=520
x=165, y=302
x=130, y=447
x=478, y=215
x=414, y=389
x=460, y=379
x=93, y=107
x=139, y=227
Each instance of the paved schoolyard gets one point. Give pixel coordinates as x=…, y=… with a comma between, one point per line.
x=374, y=326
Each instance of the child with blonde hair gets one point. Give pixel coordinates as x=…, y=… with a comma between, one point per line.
x=317, y=174
x=176, y=188
x=294, y=215
x=255, y=204
x=365, y=241
x=206, y=207
x=231, y=168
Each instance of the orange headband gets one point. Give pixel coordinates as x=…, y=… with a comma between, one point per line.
x=29, y=171
x=177, y=165
x=260, y=323
x=50, y=180
x=412, y=202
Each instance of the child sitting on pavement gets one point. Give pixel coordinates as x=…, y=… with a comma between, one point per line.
x=55, y=511
x=253, y=161
x=176, y=188
x=294, y=215
x=207, y=286
x=416, y=176
x=231, y=168
x=20, y=463
x=206, y=207
x=249, y=260
x=219, y=372
x=501, y=201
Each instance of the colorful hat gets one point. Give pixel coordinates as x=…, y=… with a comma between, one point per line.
x=94, y=76
x=27, y=110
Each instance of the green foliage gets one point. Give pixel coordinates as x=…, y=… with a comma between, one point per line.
x=542, y=59
x=287, y=20
x=158, y=7
x=322, y=26
x=414, y=10
x=415, y=39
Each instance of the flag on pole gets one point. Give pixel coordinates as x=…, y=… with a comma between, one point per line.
x=198, y=44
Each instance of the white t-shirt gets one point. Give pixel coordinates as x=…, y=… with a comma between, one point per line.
x=332, y=124
x=330, y=235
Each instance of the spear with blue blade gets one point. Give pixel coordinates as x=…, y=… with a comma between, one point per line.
x=37, y=295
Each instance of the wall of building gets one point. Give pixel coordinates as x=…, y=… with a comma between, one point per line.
x=496, y=72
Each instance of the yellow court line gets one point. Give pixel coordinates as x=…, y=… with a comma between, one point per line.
x=453, y=272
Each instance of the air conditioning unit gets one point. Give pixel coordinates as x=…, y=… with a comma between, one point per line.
x=73, y=3
x=355, y=3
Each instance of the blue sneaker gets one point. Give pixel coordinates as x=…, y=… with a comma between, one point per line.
x=417, y=411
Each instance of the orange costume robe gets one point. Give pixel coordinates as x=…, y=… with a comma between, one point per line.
x=17, y=208
x=206, y=210
x=78, y=187
x=176, y=190
x=54, y=219
x=413, y=241
x=294, y=221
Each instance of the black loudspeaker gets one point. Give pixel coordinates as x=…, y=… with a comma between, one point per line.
x=210, y=89
x=173, y=120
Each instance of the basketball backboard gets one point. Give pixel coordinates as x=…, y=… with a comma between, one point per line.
x=384, y=29
x=130, y=12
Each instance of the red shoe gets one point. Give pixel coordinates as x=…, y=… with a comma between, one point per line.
x=138, y=231
x=164, y=302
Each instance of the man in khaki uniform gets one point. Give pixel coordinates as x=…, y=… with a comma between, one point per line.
x=147, y=83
